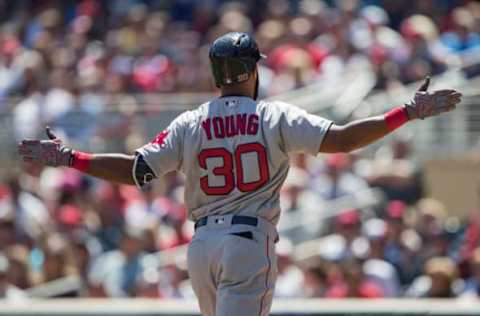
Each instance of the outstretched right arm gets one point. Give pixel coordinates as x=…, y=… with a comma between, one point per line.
x=120, y=168
x=161, y=155
x=111, y=167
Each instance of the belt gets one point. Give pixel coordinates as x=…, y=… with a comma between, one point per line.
x=236, y=219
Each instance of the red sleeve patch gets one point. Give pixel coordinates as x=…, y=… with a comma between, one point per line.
x=160, y=138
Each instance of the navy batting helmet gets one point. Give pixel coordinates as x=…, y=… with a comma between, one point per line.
x=233, y=57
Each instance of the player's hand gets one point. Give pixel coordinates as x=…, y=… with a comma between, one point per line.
x=426, y=104
x=49, y=152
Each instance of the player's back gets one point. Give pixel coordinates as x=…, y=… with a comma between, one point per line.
x=234, y=154
x=233, y=163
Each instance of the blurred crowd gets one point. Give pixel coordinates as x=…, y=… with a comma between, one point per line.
x=61, y=56
x=97, y=239
x=63, y=234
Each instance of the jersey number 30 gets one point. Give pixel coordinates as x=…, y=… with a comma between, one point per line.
x=230, y=163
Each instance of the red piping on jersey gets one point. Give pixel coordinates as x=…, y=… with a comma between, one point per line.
x=266, y=278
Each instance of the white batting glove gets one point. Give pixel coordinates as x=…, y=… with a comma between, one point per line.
x=46, y=152
x=425, y=104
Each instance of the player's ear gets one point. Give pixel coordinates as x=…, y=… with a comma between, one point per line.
x=254, y=73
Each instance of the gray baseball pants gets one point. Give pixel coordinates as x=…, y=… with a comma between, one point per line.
x=233, y=268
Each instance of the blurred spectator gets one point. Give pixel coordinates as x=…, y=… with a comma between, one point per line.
x=435, y=239
x=438, y=281
x=28, y=212
x=315, y=282
x=339, y=180
x=396, y=173
x=345, y=242
x=463, y=36
x=117, y=271
x=290, y=278
x=56, y=262
x=7, y=290
x=84, y=251
x=18, y=273
x=108, y=208
x=376, y=267
x=354, y=284
x=472, y=284
x=402, y=243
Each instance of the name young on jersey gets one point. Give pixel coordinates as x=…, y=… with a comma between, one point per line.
x=230, y=126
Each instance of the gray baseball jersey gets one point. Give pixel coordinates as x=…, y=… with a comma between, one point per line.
x=234, y=153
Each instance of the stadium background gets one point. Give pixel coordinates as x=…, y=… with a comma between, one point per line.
x=397, y=220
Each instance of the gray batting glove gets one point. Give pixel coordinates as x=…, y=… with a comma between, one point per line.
x=46, y=152
x=426, y=104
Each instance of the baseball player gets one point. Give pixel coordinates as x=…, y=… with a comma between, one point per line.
x=234, y=151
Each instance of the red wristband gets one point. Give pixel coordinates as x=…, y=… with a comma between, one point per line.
x=396, y=118
x=81, y=161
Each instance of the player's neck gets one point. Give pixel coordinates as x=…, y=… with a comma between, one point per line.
x=235, y=94
x=238, y=90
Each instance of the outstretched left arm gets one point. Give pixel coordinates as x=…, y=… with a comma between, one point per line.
x=363, y=132
x=354, y=135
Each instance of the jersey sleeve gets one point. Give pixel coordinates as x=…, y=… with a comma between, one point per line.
x=164, y=153
x=301, y=131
